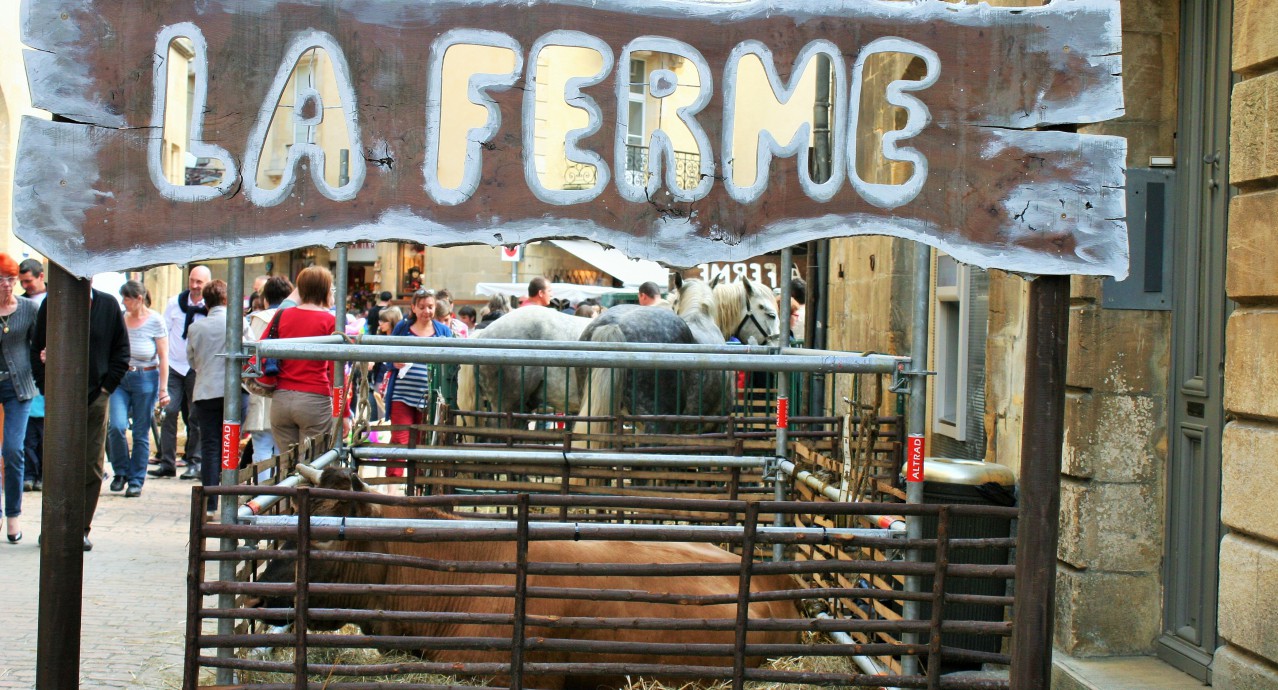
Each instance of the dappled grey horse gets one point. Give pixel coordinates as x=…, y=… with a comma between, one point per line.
x=608, y=392
x=512, y=388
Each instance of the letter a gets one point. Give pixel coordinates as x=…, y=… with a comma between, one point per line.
x=310, y=110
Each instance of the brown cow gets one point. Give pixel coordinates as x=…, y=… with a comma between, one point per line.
x=539, y=552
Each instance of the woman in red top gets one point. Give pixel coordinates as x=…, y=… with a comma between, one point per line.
x=301, y=406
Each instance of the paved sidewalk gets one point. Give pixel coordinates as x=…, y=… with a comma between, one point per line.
x=134, y=591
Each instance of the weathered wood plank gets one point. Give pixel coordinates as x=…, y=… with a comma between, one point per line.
x=1040, y=202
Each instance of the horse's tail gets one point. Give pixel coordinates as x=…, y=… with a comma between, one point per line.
x=598, y=399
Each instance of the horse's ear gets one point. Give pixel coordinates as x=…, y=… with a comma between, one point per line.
x=748, y=288
x=678, y=281
x=714, y=282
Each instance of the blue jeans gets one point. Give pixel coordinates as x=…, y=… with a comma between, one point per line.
x=15, y=437
x=133, y=400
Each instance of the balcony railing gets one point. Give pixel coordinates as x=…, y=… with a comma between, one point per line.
x=687, y=170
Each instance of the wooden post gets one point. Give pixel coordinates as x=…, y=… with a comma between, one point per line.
x=62, y=517
x=1041, y=438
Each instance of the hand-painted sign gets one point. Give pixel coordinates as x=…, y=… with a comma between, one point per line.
x=98, y=190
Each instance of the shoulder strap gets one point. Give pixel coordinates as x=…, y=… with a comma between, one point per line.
x=273, y=330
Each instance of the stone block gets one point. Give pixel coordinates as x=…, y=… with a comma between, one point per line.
x=1252, y=253
x=1253, y=136
x=1248, y=609
x=1148, y=57
x=1089, y=623
x=1248, y=477
x=1251, y=370
x=1255, y=34
x=1114, y=437
x=1234, y=669
x=1119, y=351
x=1115, y=528
x=1144, y=139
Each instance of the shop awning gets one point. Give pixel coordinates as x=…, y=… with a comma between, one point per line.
x=572, y=293
x=631, y=272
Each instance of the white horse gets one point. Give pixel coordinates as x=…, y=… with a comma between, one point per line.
x=523, y=389
x=746, y=310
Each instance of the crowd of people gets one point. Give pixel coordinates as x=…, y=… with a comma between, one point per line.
x=168, y=368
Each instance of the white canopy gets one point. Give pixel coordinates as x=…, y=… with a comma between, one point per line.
x=572, y=293
x=631, y=272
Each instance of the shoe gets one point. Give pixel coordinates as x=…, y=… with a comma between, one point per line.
x=28, y=485
x=133, y=492
x=39, y=485
x=88, y=545
x=192, y=472
x=15, y=538
x=117, y=483
x=162, y=472
x=180, y=462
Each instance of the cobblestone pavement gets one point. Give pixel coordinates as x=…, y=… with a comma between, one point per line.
x=134, y=591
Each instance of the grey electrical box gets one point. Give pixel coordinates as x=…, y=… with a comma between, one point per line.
x=1150, y=216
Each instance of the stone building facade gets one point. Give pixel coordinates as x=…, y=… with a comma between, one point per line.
x=1249, y=550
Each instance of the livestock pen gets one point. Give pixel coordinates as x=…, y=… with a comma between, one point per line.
x=729, y=490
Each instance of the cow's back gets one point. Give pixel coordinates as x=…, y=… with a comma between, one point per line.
x=587, y=552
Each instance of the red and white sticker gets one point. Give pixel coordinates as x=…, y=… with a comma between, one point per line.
x=230, y=446
x=339, y=401
x=914, y=458
x=783, y=413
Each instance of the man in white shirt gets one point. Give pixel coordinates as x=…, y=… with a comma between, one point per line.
x=31, y=275
x=180, y=313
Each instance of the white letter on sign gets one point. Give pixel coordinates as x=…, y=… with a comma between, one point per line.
x=199, y=149
x=640, y=182
x=442, y=97
x=573, y=98
x=307, y=111
x=757, y=120
x=893, y=195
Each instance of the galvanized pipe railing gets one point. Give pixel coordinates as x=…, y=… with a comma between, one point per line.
x=426, y=352
x=581, y=345
x=492, y=529
x=572, y=458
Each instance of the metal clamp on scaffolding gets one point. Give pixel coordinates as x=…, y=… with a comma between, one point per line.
x=902, y=377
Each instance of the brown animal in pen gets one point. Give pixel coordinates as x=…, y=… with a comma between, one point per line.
x=585, y=552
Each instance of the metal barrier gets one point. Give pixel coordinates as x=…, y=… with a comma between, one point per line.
x=479, y=597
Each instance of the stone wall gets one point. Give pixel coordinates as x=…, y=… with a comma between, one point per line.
x=1249, y=553
x=1112, y=485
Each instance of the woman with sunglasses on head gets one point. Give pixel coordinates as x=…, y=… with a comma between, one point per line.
x=301, y=407
x=17, y=388
x=408, y=392
x=133, y=401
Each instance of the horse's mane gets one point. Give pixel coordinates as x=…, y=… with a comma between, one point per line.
x=695, y=296
x=731, y=302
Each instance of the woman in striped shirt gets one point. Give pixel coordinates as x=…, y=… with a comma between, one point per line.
x=408, y=392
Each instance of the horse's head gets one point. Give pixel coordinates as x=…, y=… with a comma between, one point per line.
x=760, y=323
x=692, y=296
x=746, y=310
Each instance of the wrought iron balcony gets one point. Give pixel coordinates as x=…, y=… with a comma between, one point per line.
x=687, y=170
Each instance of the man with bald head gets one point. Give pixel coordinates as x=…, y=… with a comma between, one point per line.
x=181, y=312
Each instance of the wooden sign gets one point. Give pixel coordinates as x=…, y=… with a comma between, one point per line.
x=98, y=190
